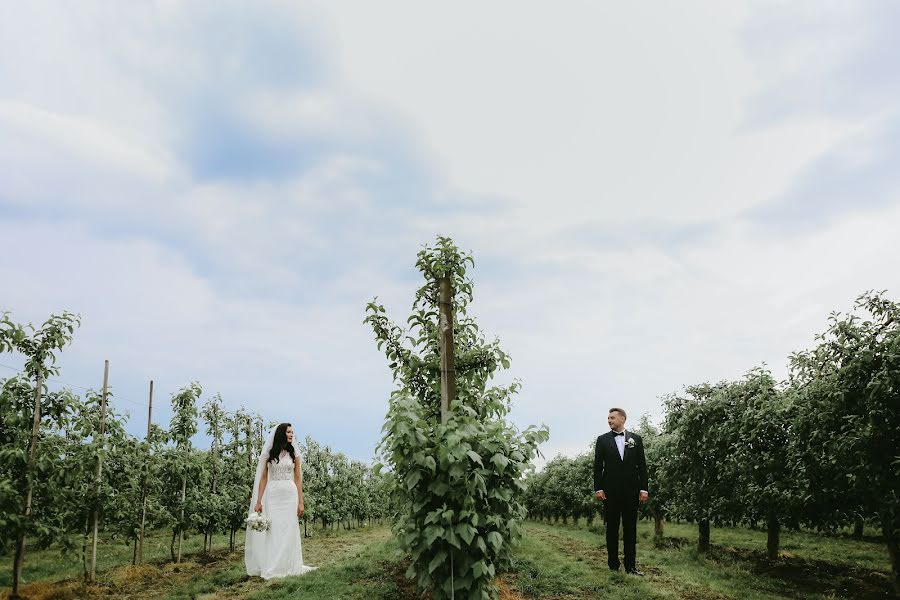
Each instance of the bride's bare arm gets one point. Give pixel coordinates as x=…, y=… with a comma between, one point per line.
x=298, y=481
x=262, y=487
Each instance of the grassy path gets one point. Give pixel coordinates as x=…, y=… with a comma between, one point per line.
x=570, y=562
x=553, y=562
x=343, y=558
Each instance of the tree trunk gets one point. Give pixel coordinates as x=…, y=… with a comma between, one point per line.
x=32, y=452
x=181, y=525
x=658, y=524
x=774, y=541
x=858, y=526
x=893, y=544
x=84, y=558
x=172, y=545
x=703, y=543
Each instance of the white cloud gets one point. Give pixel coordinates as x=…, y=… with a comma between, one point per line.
x=42, y=135
x=617, y=112
x=600, y=161
x=144, y=308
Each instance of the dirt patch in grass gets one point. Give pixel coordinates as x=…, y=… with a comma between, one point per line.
x=811, y=575
x=406, y=587
x=132, y=575
x=394, y=572
x=47, y=591
x=506, y=593
x=141, y=581
x=667, y=543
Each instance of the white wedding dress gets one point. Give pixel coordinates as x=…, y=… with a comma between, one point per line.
x=277, y=552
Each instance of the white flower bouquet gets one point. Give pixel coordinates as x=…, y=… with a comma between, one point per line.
x=258, y=522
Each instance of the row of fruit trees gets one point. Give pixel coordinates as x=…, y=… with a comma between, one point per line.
x=70, y=471
x=820, y=450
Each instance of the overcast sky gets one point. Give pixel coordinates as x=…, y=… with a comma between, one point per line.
x=655, y=194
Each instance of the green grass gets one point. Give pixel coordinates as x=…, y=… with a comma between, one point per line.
x=343, y=558
x=352, y=564
x=373, y=573
x=559, y=562
x=811, y=566
x=52, y=565
x=545, y=566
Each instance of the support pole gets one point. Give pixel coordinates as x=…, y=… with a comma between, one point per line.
x=140, y=552
x=96, y=515
x=448, y=366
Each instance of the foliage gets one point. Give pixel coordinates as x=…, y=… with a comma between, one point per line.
x=562, y=490
x=215, y=483
x=848, y=420
x=458, y=484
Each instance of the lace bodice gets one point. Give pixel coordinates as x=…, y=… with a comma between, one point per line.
x=283, y=470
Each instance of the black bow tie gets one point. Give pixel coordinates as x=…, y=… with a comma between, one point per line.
x=618, y=433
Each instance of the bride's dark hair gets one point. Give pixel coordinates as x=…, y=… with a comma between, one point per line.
x=281, y=444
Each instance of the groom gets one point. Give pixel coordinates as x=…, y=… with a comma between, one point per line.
x=620, y=478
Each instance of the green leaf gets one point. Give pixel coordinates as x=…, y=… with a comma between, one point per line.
x=496, y=540
x=413, y=479
x=437, y=560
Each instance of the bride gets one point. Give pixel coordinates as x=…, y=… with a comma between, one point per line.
x=278, y=494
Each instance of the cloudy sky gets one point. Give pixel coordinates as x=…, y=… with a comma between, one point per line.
x=656, y=194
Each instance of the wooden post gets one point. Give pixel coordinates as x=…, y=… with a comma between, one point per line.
x=249, y=433
x=215, y=464
x=448, y=366
x=32, y=452
x=140, y=550
x=96, y=515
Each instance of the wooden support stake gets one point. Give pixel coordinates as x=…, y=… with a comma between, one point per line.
x=96, y=515
x=140, y=551
x=448, y=366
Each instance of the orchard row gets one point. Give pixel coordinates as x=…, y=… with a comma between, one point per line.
x=820, y=450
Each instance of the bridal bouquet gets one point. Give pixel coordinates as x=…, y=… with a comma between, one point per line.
x=258, y=522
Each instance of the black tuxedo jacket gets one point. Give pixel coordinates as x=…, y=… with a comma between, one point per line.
x=614, y=475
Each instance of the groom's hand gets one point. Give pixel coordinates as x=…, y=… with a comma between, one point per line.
x=644, y=496
x=600, y=495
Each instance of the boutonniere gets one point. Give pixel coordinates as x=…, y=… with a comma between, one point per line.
x=629, y=442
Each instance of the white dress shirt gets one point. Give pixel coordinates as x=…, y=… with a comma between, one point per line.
x=620, y=444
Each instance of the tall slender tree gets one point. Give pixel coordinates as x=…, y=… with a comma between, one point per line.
x=459, y=474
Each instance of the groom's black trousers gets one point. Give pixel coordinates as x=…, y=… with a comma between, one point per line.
x=624, y=510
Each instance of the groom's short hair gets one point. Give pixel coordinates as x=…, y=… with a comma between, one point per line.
x=619, y=410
